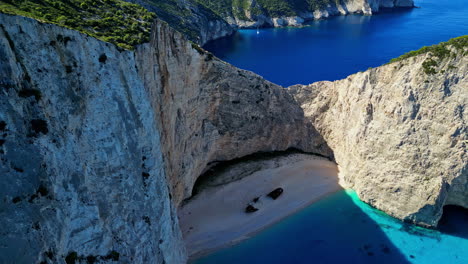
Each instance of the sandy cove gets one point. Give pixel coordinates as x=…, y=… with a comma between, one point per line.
x=216, y=217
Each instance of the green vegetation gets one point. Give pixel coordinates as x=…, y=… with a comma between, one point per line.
x=273, y=8
x=321, y=4
x=221, y=7
x=439, y=50
x=177, y=15
x=428, y=66
x=114, y=21
x=439, y=53
x=277, y=8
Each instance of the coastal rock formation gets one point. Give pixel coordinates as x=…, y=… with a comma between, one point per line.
x=255, y=13
x=399, y=132
x=80, y=157
x=99, y=145
x=198, y=23
x=210, y=111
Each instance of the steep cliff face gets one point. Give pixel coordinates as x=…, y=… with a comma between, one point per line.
x=210, y=111
x=399, y=132
x=280, y=13
x=197, y=22
x=99, y=145
x=80, y=153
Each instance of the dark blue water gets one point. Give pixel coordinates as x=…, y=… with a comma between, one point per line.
x=335, y=48
x=342, y=229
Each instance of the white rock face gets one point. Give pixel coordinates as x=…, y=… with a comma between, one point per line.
x=82, y=166
x=398, y=134
x=210, y=111
x=200, y=24
x=99, y=145
x=366, y=7
x=288, y=21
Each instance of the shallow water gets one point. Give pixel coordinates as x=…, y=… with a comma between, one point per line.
x=337, y=47
x=342, y=229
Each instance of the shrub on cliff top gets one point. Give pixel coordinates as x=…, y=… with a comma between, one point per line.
x=273, y=8
x=115, y=21
x=439, y=50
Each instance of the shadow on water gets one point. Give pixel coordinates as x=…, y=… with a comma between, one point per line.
x=332, y=230
x=453, y=221
x=224, y=46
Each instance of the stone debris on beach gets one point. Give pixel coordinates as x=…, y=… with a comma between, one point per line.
x=250, y=209
x=275, y=193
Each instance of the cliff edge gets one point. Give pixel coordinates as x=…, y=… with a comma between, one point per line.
x=99, y=145
x=399, y=131
x=281, y=13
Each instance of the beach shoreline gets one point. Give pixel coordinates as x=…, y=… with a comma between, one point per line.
x=215, y=218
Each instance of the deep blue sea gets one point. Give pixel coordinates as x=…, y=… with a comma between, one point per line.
x=341, y=228
x=337, y=47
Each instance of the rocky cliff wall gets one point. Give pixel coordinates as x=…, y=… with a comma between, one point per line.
x=257, y=15
x=197, y=22
x=399, y=133
x=210, y=111
x=81, y=161
x=99, y=145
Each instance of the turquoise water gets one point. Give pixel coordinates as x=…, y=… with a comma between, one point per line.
x=342, y=229
x=335, y=48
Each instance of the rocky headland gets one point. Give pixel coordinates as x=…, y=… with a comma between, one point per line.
x=399, y=131
x=280, y=13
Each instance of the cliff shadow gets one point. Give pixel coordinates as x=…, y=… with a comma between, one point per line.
x=454, y=221
x=214, y=168
x=332, y=230
x=223, y=46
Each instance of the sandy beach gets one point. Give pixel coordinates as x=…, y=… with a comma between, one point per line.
x=216, y=217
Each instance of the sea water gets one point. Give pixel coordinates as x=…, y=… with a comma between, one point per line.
x=334, y=48
x=342, y=229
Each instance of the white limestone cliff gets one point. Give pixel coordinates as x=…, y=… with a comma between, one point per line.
x=399, y=133
x=262, y=19
x=99, y=145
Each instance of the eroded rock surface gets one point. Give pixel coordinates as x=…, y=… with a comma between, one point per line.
x=81, y=162
x=197, y=22
x=399, y=133
x=99, y=145
x=210, y=111
x=253, y=14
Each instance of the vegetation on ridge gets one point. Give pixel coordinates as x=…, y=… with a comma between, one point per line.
x=439, y=52
x=186, y=16
x=114, y=21
x=273, y=8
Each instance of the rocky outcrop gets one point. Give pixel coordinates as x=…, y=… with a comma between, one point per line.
x=99, y=145
x=399, y=132
x=210, y=111
x=257, y=15
x=197, y=22
x=81, y=160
